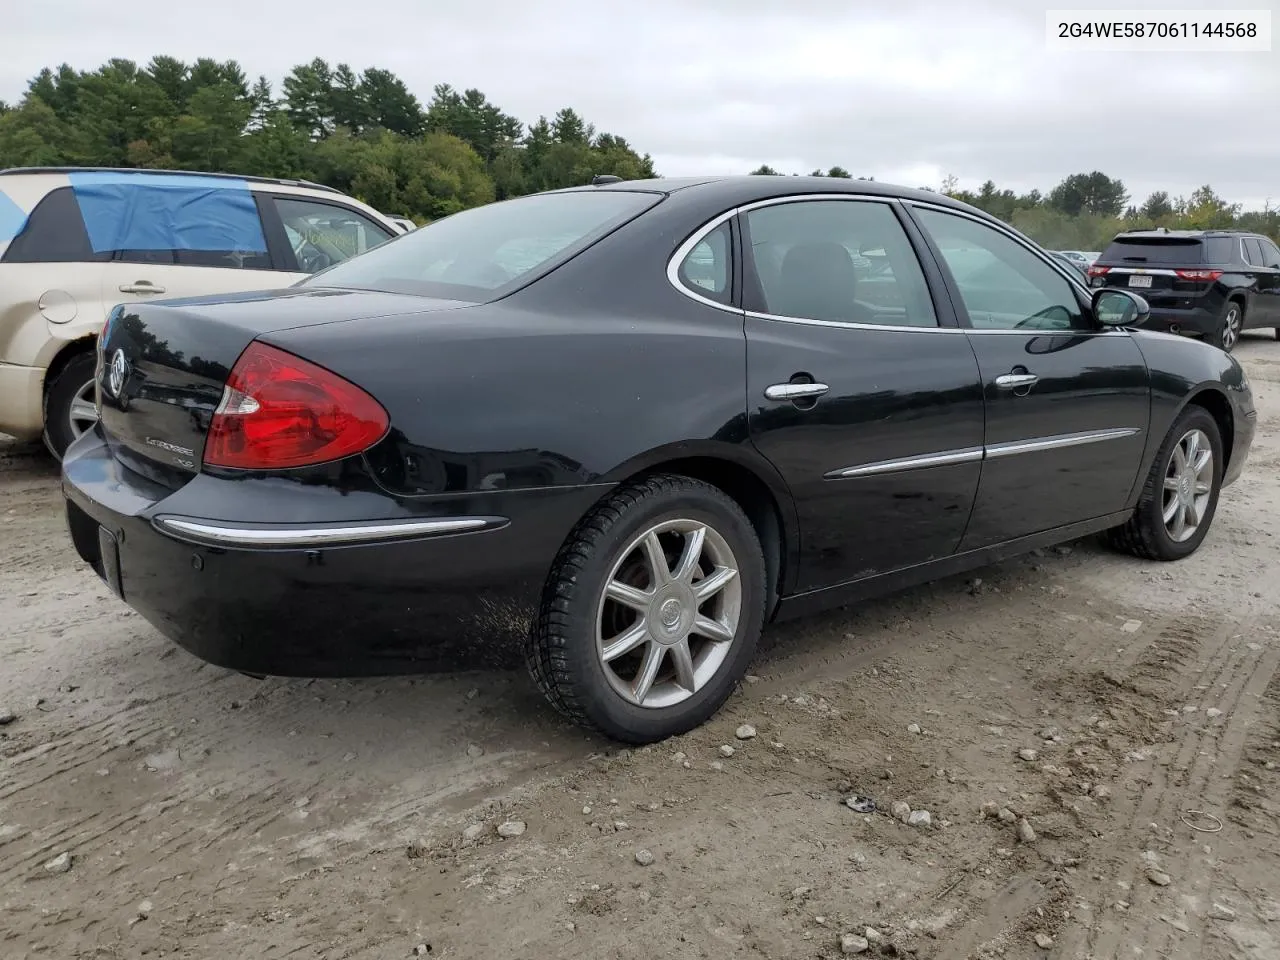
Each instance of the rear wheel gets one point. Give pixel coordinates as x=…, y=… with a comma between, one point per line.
x=69, y=408
x=652, y=610
x=1180, y=496
x=1227, y=335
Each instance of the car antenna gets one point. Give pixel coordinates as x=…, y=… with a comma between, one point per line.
x=602, y=178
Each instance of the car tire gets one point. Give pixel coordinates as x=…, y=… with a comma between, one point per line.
x=613, y=549
x=73, y=383
x=1148, y=534
x=1227, y=334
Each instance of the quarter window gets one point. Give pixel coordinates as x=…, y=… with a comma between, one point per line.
x=54, y=233
x=706, y=270
x=1004, y=286
x=840, y=261
x=1252, y=252
x=322, y=234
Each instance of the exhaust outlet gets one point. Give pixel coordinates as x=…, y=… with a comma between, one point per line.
x=1174, y=328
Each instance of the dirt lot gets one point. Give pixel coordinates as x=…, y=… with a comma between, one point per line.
x=207, y=814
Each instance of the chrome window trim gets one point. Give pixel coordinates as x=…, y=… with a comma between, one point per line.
x=686, y=248
x=302, y=536
x=698, y=235
x=985, y=452
x=1153, y=271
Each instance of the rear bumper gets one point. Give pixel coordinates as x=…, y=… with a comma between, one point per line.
x=1198, y=321
x=450, y=585
x=21, y=401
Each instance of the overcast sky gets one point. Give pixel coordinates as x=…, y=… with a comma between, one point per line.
x=906, y=91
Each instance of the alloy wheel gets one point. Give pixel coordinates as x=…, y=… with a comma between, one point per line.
x=83, y=413
x=1188, y=484
x=669, y=613
x=1231, y=327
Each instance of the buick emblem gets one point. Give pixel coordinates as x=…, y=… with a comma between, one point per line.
x=116, y=373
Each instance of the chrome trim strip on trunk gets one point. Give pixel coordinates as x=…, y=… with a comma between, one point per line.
x=973, y=454
x=1146, y=271
x=214, y=534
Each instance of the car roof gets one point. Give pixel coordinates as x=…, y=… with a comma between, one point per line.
x=126, y=172
x=747, y=188
x=1180, y=234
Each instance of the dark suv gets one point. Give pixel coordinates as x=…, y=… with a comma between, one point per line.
x=1205, y=283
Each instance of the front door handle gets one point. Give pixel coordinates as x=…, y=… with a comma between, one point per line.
x=1012, y=381
x=795, y=391
x=140, y=286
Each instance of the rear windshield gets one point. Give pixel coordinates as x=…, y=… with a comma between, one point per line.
x=484, y=252
x=1170, y=251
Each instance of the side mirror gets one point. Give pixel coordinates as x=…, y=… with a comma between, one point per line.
x=1119, y=308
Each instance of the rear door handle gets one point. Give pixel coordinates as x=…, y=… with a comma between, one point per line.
x=140, y=286
x=1012, y=381
x=795, y=391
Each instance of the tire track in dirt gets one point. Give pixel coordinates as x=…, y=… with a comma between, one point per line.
x=1240, y=673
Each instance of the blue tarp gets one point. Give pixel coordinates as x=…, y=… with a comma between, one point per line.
x=12, y=219
x=164, y=211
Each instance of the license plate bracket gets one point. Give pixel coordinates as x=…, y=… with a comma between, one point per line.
x=1140, y=280
x=109, y=550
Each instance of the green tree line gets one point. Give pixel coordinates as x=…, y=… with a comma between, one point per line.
x=367, y=134
x=1086, y=210
x=364, y=133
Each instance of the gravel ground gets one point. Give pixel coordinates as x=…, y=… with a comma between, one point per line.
x=1095, y=741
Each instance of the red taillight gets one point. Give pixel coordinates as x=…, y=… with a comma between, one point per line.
x=280, y=411
x=1099, y=271
x=1209, y=275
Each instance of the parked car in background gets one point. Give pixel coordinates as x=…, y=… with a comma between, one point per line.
x=1211, y=284
x=403, y=224
x=1074, y=264
x=630, y=424
x=74, y=242
x=1084, y=260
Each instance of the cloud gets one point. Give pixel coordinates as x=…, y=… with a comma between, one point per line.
x=908, y=91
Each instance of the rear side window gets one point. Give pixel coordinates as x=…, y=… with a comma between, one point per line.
x=1270, y=254
x=146, y=218
x=54, y=233
x=479, y=253
x=1252, y=252
x=838, y=261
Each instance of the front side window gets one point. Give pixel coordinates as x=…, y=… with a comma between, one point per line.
x=1270, y=254
x=839, y=261
x=706, y=270
x=324, y=234
x=476, y=254
x=1004, y=286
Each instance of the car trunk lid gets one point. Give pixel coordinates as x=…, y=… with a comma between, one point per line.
x=163, y=366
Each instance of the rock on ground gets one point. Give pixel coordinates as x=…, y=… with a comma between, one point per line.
x=851, y=943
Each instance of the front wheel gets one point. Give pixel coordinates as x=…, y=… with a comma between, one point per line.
x=1180, y=497
x=69, y=403
x=652, y=610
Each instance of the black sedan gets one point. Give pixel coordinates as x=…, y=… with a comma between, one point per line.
x=630, y=424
